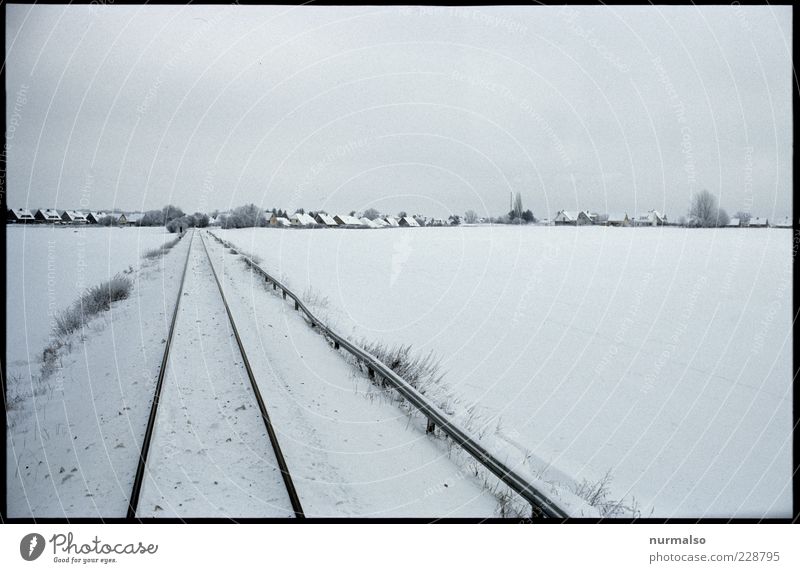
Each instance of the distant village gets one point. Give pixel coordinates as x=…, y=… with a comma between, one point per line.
x=251, y=216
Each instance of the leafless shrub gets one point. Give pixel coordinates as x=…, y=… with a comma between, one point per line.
x=13, y=396
x=314, y=299
x=597, y=495
x=421, y=371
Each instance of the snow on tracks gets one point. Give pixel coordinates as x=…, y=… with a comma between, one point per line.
x=210, y=454
x=352, y=452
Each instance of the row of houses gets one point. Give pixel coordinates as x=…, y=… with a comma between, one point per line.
x=54, y=217
x=325, y=220
x=760, y=223
x=652, y=218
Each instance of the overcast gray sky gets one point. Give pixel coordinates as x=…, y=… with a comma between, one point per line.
x=432, y=110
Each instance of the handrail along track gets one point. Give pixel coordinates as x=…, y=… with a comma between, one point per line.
x=541, y=505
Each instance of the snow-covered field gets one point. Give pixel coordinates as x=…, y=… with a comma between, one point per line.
x=660, y=355
x=48, y=267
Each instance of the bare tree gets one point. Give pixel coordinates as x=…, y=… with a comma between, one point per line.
x=470, y=217
x=743, y=216
x=722, y=218
x=516, y=212
x=704, y=210
x=372, y=214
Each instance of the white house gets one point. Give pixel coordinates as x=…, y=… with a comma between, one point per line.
x=618, y=220
x=47, y=216
x=134, y=218
x=93, y=217
x=348, y=220
x=20, y=216
x=391, y=221
x=760, y=222
x=734, y=222
x=650, y=219
x=74, y=217
x=572, y=218
x=785, y=223
x=368, y=223
x=302, y=220
x=324, y=219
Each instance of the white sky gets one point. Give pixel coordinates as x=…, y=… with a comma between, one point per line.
x=432, y=110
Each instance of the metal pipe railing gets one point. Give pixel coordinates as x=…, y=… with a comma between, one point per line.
x=541, y=505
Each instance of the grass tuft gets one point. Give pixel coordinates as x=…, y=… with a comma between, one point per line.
x=597, y=495
x=92, y=302
x=163, y=249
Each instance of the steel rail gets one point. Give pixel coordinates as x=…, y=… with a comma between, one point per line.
x=273, y=438
x=133, y=503
x=541, y=505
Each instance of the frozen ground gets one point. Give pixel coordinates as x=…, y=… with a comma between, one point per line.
x=662, y=356
x=73, y=444
x=352, y=453
x=47, y=268
x=73, y=438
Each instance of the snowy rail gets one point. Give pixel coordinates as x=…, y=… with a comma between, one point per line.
x=138, y=480
x=148, y=437
x=541, y=505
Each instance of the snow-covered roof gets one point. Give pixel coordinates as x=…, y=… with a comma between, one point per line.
x=409, y=221
x=75, y=216
x=379, y=222
x=734, y=222
x=326, y=220
x=571, y=215
x=784, y=222
x=652, y=216
x=282, y=221
x=303, y=219
x=134, y=217
x=348, y=220
x=617, y=217
x=368, y=223
x=22, y=214
x=49, y=214
x=391, y=221
x=758, y=222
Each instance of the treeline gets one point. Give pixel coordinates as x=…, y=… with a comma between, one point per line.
x=244, y=216
x=173, y=218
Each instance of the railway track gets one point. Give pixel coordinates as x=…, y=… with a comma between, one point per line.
x=541, y=505
x=175, y=471
x=171, y=454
